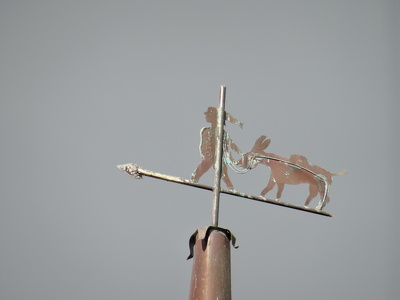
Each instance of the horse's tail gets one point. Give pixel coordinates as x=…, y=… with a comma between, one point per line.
x=340, y=173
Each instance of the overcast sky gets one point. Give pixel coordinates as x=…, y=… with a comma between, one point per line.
x=88, y=85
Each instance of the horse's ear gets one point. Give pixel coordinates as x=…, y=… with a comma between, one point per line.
x=260, y=144
x=260, y=139
x=265, y=144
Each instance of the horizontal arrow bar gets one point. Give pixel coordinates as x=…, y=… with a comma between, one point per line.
x=137, y=172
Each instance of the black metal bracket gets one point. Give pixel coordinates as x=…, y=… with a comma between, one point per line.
x=227, y=232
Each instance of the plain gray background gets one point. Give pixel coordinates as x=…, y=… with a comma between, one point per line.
x=88, y=85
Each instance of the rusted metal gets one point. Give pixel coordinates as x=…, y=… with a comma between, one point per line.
x=137, y=172
x=211, y=272
x=218, y=155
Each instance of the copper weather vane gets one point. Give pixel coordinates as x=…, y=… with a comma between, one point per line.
x=219, y=154
x=210, y=246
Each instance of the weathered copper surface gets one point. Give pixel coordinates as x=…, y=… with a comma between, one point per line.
x=211, y=272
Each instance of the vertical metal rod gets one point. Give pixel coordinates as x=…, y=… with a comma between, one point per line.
x=218, y=155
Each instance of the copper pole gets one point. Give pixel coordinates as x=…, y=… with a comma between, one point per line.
x=211, y=271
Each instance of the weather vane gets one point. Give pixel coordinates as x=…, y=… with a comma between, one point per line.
x=210, y=246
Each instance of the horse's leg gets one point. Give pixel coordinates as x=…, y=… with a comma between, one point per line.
x=322, y=191
x=270, y=186
x=279, y=192
x=321, y=205
x=314, y=189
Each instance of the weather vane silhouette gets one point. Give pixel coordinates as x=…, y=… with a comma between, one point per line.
x=207, y=146
x=210, y=246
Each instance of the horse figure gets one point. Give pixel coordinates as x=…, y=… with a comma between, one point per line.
x=295, y=170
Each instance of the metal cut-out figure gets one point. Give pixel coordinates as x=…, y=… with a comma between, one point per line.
x=295, y=171
x=207, y=147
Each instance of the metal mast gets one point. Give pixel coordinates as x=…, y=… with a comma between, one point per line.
x=218, y=155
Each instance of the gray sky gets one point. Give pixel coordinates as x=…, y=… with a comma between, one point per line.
x=88, y=85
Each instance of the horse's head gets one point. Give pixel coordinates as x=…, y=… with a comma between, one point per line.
x=249, y=159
